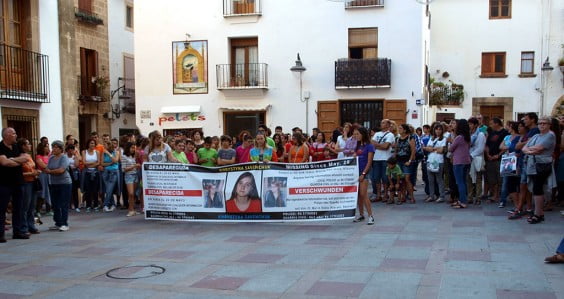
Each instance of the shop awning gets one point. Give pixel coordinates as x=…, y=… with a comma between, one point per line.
x=181, y=109
x=246, y=108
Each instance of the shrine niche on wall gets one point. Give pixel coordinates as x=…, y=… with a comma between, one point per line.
x=190, y=67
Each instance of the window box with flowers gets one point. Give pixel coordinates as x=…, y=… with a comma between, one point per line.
x=445, y=94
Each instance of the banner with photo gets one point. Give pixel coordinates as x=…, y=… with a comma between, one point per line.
x=251, y=192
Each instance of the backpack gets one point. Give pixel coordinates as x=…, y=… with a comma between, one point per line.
x=419, y=155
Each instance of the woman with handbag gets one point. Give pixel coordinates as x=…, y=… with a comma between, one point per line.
x=30, y=188
x=539, y=150
x=510, y=182
x=435, y=162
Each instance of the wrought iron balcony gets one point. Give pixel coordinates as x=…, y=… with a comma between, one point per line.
x=241, y=7
x=364, y=3
x=24, y=75
x=363, y=73
x=88, y=91
x=446, y=94
x=242, y=76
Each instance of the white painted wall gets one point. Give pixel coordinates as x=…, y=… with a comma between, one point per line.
x=120, y=41
x=317, y=29
x=461, y=30
x=51, y=115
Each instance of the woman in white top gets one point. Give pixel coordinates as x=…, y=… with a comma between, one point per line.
x=435, y=162
x=157, y=151
x=91, y=159
x=342, y=140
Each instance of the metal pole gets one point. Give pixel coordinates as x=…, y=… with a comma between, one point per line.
x=306, y=105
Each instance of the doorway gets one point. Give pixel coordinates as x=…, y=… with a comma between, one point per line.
x=235, y=122
x=85, y=127
x=489, y=112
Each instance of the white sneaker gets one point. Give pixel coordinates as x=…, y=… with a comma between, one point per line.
x=106, y=209
x=63, y=228
x=112, y=208
x=54, y=227
x=370, y=220
x=429, y=199
x=439, y=200
x=77, y=210
x=132, y=213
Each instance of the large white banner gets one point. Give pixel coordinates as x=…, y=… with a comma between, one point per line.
x=251, y=191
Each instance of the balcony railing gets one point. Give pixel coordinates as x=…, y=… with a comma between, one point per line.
x=363, y=3
x=87, y=89
x=241, y=7
x=444, y=94
x=363, y=73
x=242, y=76
x=24, y=75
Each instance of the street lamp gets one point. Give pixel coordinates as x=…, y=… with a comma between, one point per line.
x=299, y=68
x=546, y=69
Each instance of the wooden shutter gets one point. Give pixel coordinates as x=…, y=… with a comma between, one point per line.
x=363, y=37
x=395, y=110
x=85, y=5
x=487, y=63
x=327, y=116
x=129, y=72
x=83, y=74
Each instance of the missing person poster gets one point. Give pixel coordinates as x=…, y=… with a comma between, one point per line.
x=251, y=192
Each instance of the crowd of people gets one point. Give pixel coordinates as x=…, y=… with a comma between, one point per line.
x=462, y=162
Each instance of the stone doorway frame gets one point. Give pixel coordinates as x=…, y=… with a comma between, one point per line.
x=506, y=102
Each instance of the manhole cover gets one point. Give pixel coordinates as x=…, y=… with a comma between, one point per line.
x=135, y=272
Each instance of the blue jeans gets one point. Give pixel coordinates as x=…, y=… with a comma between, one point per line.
x=110, y=178
x=28, y=209
x=378, y=175
x=560, y=247
x=460, y=174
x=503, y=196
x=60, y=200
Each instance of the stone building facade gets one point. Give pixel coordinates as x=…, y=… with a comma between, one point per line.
x=84, y=51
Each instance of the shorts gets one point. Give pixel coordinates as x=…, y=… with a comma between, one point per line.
x=512, y=184
x=523, y=175
x=378, y=172
x=492, y=173
x=130, y=178
x=407, y=169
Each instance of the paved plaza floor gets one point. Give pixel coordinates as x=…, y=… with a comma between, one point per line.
x=426, y=250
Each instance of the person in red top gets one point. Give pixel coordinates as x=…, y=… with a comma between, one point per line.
x=242, y=153
x=244, y=197
x=317, y=148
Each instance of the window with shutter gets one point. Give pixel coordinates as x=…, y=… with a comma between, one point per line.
x=493, y=65
x=363, y=43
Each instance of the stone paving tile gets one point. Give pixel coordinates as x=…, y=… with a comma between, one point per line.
x=11, y=296
x=95, y=251
x=273, y=280
x=220, y=283
x=468, y=223
x=325, y=241
x=173, y=254
x=425, y=218
x=462, y=255
x=413, y=243
x=6, y=265
x=338, y=289
x=260, y=258
x=464, y=286
x=421, y=253
x=506, y=238
x=388, y=229
x=392, y=285
x=82, y=291
x=34, y=270
x=244, y=239
x=347, y=276
x=403, y=264
x=507, y=294
x=19, y=287
x=77, y=243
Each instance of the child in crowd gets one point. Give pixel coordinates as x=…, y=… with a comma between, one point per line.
x=327, y=154
x=226, y=154
x=178, y=153
x=207, y=156
x=395, y=179
x=191, y=152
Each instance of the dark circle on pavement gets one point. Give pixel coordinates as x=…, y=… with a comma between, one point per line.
x=135, y=272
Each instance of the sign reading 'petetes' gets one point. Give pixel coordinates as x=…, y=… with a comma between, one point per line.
x=184, y=117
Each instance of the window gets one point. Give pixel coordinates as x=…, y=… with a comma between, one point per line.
x=88, y=72
x=493, y=65
x=363, y=43
x=129, y=16
x=500, y=9
x=235, y=122
x=85, y=5
x=527, y=63
x=244, y=61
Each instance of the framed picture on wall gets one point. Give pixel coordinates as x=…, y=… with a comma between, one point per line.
x=190, y=67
